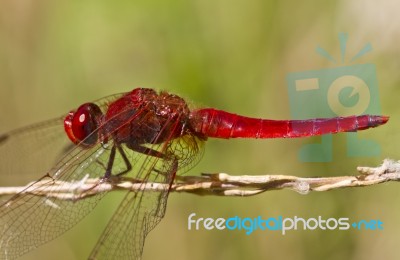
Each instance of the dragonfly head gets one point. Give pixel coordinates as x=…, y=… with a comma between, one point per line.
x=82, y=125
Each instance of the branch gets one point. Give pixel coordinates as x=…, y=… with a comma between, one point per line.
x=220, y=184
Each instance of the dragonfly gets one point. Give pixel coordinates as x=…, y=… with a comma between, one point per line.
x=142, y=135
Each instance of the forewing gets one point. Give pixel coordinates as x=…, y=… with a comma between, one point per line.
x=27, y=153
x=28, y=220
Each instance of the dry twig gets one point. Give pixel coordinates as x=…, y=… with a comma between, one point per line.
x=220, y=184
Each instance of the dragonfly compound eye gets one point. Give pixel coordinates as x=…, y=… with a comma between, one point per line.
x=81, y=125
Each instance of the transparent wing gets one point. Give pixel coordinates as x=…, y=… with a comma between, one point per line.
x=27, y=153
x=140, y=211
x=137, y=214
x=28, y=220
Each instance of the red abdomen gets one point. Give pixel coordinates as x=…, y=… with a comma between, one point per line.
x=220, y=124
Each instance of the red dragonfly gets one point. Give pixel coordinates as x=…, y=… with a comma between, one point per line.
x=142, y=134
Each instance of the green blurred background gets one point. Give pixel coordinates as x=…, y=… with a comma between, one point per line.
x=233, y=55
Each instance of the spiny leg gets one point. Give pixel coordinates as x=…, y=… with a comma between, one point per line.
x=110, y=163
x=155, y=153
x=146, y=150
x=125, y=158
x=136, y=148
x=151, y=152
x=111, y=160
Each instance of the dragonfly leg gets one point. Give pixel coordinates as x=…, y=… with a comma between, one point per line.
x=173, y=171
x=155, y=153
x=136, y=148
x=146, y=151
x=126, y=161
x=111, y=161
